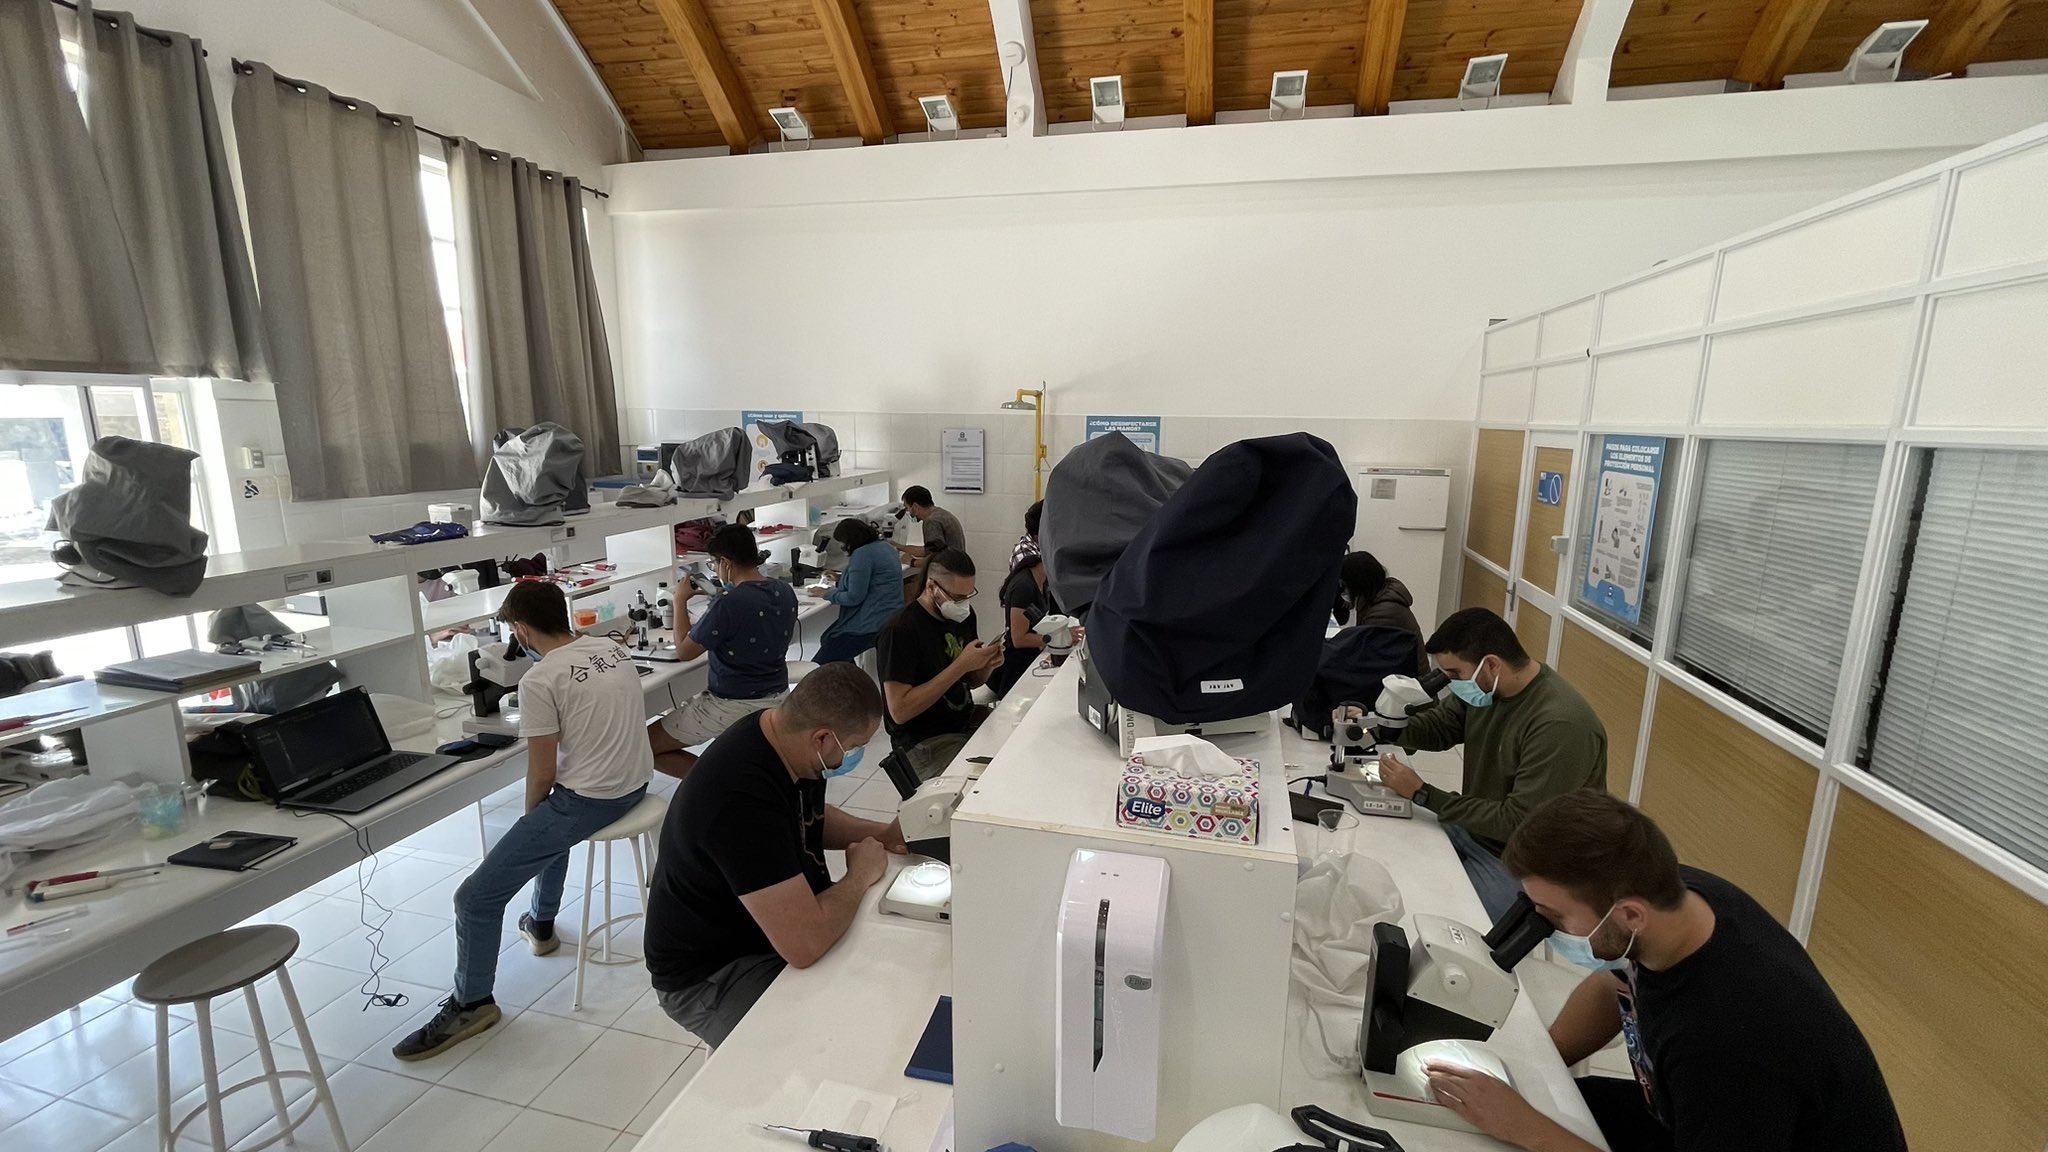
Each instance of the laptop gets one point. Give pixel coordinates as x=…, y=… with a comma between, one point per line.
x=332, y=756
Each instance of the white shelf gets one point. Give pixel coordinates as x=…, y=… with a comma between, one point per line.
x=97, y=701
x=810, y=490
x=469, y=607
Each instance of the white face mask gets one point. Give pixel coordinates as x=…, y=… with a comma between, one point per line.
x=955, y=610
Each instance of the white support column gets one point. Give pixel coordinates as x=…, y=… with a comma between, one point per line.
x=1017, y=57
x=1590, y=58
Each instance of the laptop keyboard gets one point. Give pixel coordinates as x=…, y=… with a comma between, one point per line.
x=398, y=762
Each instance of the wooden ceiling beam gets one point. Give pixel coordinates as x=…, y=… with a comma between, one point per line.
x=1957, y=35
x=849, y=45
x=1782, y=31
x=1589, y=60
x=738, y=121
x=1380, y=55
x=1198, y=38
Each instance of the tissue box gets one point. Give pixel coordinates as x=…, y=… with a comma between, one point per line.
x=1202, y=807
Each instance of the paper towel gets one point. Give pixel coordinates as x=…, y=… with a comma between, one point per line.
x=1184, y=755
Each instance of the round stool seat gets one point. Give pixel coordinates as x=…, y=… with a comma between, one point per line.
x=643, y=819
x=220, y=963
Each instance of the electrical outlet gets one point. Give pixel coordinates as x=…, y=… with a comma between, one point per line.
x=252, y=459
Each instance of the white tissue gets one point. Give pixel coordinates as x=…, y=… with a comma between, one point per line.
x=1184, y=755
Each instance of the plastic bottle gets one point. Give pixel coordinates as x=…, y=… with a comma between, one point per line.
x=666, y=606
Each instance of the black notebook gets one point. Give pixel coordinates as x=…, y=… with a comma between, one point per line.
x=233, y=851
x=933, y=1059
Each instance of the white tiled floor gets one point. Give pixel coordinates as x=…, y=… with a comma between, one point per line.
x=549, y=1077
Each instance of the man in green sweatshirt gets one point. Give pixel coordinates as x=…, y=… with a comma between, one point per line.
x=1528, y=735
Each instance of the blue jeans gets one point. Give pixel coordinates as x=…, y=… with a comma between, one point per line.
x=537, y=846
x=838, y=646
x=1497, y=887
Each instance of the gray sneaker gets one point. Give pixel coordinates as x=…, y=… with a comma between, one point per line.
x=450, y=1026
x=541, y=945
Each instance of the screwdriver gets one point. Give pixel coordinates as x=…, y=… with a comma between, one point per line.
x=829, y=1140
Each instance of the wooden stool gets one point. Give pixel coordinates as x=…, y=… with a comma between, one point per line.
x=639, y=828
x=215, y=966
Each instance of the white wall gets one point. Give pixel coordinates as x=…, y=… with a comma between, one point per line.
x=502, y=72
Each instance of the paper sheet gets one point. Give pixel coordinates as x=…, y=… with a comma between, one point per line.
x=845, y=1108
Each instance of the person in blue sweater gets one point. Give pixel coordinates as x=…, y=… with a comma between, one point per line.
x=868, y=593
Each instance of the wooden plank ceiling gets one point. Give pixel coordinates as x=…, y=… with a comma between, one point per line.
x=698, y=73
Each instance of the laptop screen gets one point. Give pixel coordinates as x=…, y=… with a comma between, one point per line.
x=316, y=740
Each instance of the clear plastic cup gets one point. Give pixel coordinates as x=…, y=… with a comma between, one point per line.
x=163, y=811
x=1338, y=832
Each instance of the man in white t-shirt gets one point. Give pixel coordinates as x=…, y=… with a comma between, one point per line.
x=587, y=764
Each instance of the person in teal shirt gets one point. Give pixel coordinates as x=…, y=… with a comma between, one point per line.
x=868, y=593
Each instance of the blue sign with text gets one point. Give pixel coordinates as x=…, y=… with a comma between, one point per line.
x=760, y=417
x=1624, y=516
x=1142, y=430
x=1550, y=488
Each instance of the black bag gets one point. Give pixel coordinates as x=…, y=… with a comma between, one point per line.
x=1217, y=608
x=1355, y=662
x=1098, y=496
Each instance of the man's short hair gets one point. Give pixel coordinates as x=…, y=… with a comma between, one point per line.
x=539, y=604
x=919, y=495
x=1473, y=634
x=1598, y=848
x=735, y=543
x=1032, y=517
x=952, y=562
x=837, y=696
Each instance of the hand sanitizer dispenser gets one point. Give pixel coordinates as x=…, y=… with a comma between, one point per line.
x=1106, y=1000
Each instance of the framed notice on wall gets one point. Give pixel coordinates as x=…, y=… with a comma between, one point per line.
x=1624, y=515
x=963, y=459
x=1142, y=430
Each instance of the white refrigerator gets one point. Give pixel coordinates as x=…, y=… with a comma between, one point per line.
x=1403, y=516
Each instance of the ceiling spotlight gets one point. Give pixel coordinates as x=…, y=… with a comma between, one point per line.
x=1106, y=93
x=790, y=123
x=1290, y=93
x=939, y=114
x=1877, y=59
x=1482, y=78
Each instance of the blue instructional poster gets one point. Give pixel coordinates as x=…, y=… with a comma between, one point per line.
x=1142, y=430
x=758, y=417
x=1624, y=515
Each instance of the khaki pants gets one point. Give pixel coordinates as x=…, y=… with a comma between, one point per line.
x=704, y=717
x=930, y=758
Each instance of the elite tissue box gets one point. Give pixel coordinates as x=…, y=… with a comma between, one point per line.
x=1186, y=786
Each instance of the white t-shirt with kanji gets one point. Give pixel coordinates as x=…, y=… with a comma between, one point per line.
x=587, y=692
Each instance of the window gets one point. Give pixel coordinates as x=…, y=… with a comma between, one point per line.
x=1960, y=714
x=438, y=193
x=1777, y=544
x=1657, y=471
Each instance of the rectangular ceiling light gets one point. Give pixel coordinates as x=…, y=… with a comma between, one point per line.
x=939, y=114
x=791, y=123
x=1482, y=77
x=1290, y=91
x=1107, y=95
x=1877, y=59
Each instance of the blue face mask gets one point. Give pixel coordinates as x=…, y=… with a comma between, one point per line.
x=1579, y=949
x=848, y=761
x=1470, y=692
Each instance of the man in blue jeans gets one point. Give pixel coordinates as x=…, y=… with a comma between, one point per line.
x=587, y=764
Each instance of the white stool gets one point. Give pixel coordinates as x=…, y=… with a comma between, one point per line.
x=639, y=828
x=798, y=669
x=216, y=966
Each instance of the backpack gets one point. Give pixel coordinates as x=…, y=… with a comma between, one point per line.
x=1217, y=608
x=828, y=448
x=714, y=464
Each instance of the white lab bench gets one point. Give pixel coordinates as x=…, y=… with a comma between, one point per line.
x=136, y=921
x=853, y=1017
x=1419, y=857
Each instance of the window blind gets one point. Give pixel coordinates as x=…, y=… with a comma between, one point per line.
x=1963, y=726
x=1776, y=545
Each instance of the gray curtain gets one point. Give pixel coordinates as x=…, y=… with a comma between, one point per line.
x=156, y=130
x=535, y=334
x=69, y=298
x=364, y=376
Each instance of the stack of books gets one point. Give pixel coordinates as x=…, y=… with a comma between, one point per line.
x=179, y=671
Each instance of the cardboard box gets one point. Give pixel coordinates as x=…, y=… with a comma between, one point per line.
x=1200, y=807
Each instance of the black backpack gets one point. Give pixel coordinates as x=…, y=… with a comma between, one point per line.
x=1355, y=662
x=1217, y=608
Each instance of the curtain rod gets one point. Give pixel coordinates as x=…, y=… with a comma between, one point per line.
x=159, y=37
x=244, y=68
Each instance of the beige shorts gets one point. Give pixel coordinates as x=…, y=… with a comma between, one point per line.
x=704, y=717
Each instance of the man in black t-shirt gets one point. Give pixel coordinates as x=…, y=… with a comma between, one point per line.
x=930, y=661
x=740, y=886
x=1737, y=1042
